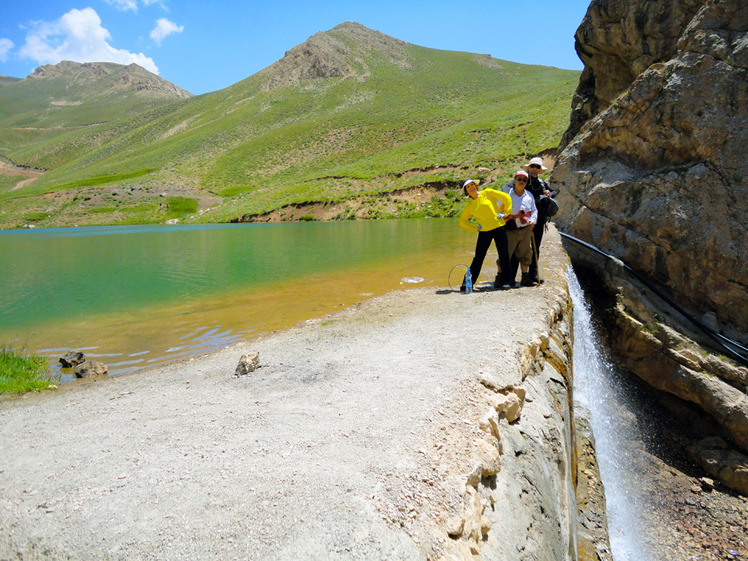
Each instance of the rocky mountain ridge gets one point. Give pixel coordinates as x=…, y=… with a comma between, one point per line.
x=109, y=78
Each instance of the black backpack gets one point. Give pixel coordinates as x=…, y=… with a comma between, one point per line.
x=547, y=205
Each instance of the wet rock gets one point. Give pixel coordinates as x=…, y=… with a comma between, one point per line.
x=707, y=484
x=72, y=358
x=90, y=369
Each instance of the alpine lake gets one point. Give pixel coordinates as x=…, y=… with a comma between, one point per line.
x=134, y=297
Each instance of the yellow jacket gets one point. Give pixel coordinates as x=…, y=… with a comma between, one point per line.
x=484, y=208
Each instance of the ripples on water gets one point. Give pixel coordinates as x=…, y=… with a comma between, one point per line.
x=136, y=297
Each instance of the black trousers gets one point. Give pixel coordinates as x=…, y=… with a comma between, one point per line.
x=498, y=236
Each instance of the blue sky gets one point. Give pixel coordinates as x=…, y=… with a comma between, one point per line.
x=207, y=45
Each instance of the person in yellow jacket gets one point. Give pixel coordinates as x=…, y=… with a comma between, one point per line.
x=488, y=207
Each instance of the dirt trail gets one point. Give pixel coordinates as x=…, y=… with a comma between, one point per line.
x=9, y=169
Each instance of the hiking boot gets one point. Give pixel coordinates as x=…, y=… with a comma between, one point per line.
x=526, y=280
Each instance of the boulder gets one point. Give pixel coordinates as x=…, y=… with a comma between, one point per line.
x=719, y=458
x=90, y=369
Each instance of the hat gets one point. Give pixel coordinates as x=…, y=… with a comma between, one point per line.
x=538, y=161
x=521, y=172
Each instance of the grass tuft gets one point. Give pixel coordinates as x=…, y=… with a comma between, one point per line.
x=21, y=373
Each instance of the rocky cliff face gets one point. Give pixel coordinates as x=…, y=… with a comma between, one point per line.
x=653, y=171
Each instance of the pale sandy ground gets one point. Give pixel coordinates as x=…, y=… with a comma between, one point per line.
x=356, y=428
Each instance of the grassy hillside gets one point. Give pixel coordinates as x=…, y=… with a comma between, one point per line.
x=347, y=115
x=56, y=113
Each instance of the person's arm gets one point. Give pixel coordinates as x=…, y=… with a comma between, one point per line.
x=502, y=200
x=548, y=191
x=533, y=211
x=465, y=217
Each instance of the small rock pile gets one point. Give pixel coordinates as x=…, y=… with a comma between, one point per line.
x=83, y=368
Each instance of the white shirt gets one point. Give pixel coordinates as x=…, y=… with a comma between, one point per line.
x=524, y=202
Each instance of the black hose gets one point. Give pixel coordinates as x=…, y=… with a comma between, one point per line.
x=718, y=338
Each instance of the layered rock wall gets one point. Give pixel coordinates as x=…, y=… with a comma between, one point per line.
x=532, y=489
x=653, y=171
x=658, y=175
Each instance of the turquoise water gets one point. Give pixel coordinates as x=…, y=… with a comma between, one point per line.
x=138, y=295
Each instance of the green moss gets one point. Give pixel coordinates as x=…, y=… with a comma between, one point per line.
x=36, y=216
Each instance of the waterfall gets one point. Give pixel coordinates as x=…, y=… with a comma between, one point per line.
x=598, y=391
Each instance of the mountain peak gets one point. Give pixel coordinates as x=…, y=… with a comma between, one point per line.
x=340, y=52
x=109, y=78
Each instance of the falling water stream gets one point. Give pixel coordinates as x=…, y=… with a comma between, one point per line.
x=597, y=390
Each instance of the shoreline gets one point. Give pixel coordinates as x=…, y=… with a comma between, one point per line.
x=356, y=438
x=192, y=320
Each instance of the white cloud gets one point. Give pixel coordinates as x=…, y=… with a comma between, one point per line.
x=5, y=46
x=77, y=36
x=163, y=29
x=124, y=5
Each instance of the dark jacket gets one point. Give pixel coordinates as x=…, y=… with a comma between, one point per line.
x=536, y=186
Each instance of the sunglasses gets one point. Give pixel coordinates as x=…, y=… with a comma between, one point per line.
x=534, y=166
x=521, y=179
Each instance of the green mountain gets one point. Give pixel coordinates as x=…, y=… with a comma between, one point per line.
x=43, y=116
x=351, y=118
